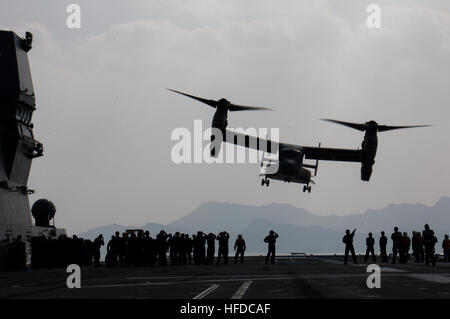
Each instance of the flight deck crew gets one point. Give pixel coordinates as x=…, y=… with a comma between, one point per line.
x=239, y=247
x=406, y=244
x=110, y=253
x=446, y=248
x=414, y=245
x=121, y=245
x=170, y=247
x=98, y=243
x=211, y=250
x=223, y=238
x=177, y=248
x=148, y=249
x=199, y=243
x=271, y=239
x=132, y=249
x=161, y=239
x=125, y=249
x=417, y=246
x=184, y=248
x=397, y=239
x=429, y=240
x=370, y=243
x=188, y=242
x=348, y=241
x=383, y=244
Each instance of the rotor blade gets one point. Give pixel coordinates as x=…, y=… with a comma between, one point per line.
x=209, y=102
x=383, y=128
x=234, y=107
x=359, y=127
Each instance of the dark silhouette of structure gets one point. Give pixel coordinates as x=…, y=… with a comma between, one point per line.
x=271, y=240
x=348, y=241
x=239, y=247
x=18, y=146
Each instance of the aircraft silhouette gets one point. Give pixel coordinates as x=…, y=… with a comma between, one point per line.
x=291, y=167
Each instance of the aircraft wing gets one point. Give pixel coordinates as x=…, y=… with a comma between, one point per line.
x=314, y=153
x=249, y=141
x=332, y=154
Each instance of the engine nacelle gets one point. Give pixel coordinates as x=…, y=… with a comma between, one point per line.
x=370, y=143
x=366, y=171
x=369, y=149
x=219, y=122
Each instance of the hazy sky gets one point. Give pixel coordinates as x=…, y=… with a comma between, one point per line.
x=105, y=118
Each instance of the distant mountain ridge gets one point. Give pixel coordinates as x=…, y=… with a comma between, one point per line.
x=216, y=215
x=299, y=229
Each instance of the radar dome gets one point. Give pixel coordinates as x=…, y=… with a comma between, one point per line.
x=43, y=211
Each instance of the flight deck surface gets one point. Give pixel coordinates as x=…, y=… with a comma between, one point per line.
x=289, y=277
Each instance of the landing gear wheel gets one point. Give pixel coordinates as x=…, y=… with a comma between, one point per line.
x=304, y=188
x=309, y=189
x=267, y=183
x=262, y=182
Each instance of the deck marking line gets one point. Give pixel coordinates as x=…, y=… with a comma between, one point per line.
x=242, y=290
x=206, y=292
x=432, y=277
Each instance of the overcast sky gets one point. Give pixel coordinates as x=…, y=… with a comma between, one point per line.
x=105, y=118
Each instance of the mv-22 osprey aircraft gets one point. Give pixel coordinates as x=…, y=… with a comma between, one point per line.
x=291, y=167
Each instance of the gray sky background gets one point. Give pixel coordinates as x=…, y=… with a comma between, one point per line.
x=105, y=117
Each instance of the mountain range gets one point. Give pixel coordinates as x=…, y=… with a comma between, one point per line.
x=299, y=230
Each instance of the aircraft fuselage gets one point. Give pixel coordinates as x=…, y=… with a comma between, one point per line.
x=290, y=168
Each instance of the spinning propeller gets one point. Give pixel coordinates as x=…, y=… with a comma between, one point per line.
x=372, y=126
x=224, y=103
